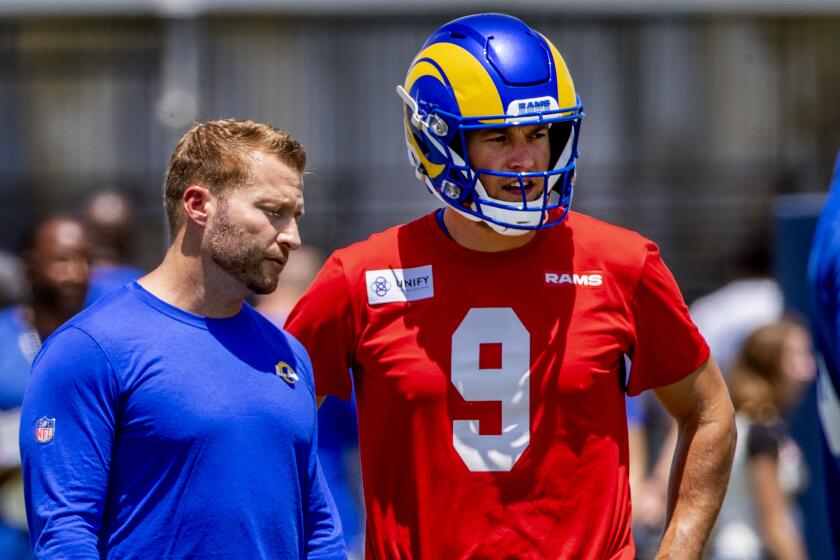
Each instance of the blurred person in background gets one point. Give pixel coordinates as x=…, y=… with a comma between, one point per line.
x=170, y=419
x=725, y=318
x=13, y=287
x=824, y=278
x=728, y=315
x=338, y=439
x=56, y=255
x=759, y=516
x=110, y=217
x=487, y=339
x=652, y=435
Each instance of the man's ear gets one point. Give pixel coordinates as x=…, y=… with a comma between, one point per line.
x=199, y=203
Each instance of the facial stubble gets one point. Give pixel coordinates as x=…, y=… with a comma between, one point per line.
x=237, y=252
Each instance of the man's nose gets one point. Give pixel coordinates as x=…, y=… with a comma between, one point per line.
x=289, y=235
x=523, y=156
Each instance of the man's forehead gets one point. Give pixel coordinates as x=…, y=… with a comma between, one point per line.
x=271, y=161
x=59, y=235
x=513, y=129
x=62, y=231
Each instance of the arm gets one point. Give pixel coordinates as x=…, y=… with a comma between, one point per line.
x=701, y=406
x=324, y=536
x=323, y=321
x=322, y=525
x=780, y=535
x=66, y=473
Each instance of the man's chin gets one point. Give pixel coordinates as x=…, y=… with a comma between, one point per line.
x=262, y=287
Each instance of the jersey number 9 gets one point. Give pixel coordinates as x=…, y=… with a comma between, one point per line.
x=507, y=381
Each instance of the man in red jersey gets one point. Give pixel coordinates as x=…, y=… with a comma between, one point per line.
x=492, y=342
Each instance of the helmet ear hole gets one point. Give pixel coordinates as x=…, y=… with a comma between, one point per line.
x=424, y=146
x=456, y=146
x=559, y=134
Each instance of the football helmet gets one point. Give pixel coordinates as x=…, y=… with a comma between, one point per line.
x=491, y=71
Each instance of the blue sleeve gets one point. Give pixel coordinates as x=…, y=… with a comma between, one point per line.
x=65, y=469
x=322, y=525
x=635, y=412
x=324, y=537
x=824, y=277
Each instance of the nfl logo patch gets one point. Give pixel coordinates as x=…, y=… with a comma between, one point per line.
x=45, y=429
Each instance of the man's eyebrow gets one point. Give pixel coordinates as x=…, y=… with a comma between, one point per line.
x=492, y=131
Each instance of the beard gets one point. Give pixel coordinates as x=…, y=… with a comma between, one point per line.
x=237, y=253
x=66, y=300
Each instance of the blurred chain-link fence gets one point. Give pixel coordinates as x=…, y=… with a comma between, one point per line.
x=694, y=122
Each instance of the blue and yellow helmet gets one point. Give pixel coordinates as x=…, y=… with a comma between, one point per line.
x=490, y=71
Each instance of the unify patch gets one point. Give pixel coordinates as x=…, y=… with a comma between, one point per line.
x=399, y=284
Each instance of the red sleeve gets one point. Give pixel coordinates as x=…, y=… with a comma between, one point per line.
x=667, y=345
x=323, y=321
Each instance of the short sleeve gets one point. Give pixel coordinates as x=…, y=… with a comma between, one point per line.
x=667, y=345
x=323, y=322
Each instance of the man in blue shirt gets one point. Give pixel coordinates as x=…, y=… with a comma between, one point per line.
x=170, y=419
x=824, y=275
x=56, y=254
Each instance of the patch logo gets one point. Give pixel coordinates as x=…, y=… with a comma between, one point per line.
x=380, y=286
x=531, y=108
x=594, y=278
x=399, y=284
x=285, y=371
x=44, y=429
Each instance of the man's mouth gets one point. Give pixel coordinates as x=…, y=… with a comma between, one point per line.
x=277, y=262
x=516, y=188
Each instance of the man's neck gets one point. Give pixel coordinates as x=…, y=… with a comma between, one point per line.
x=478, y=236
x=184, y=281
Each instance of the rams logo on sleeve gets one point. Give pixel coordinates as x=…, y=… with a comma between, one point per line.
x=285, y=371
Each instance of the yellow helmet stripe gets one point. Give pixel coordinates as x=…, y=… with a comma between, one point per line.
x=475, y=91
x=421, y=68
x=432, y=169
x=565, y=87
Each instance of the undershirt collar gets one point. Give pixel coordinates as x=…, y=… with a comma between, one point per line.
x=441, y=223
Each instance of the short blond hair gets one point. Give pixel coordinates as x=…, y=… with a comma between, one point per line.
x=215, y=155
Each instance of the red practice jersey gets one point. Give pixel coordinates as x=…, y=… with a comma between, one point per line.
x=490, y=386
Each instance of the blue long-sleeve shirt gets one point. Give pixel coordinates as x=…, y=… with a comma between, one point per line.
x=824, y=276
x=149, y=432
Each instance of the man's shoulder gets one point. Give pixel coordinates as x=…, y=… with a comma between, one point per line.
x=388, y=241
x=116, y=313
x=264, y=326
x=600, y=242
x=588, y=229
